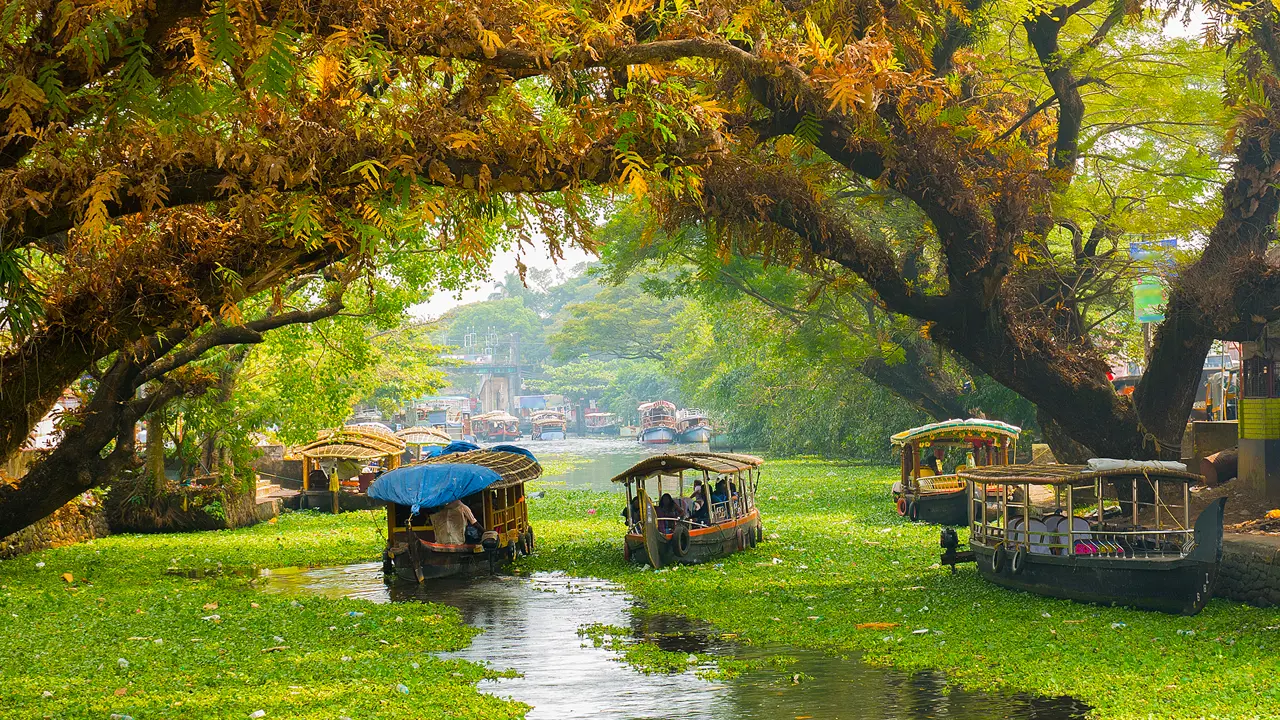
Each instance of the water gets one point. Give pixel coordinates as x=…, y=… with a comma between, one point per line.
x=605, y=457
x=531, y=626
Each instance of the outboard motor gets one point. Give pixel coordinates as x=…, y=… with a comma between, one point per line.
x=489, y=541
x=949, y=541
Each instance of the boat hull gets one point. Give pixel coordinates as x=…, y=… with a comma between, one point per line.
x=705, y=544
x=696, y=435
x=500, y=436
x=605, y=430
x=549, y=435
x=941, y=508
x=657, y=436
x=430, y=561
x=1179, y=586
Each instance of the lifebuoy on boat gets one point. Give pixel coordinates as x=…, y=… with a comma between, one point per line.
x=997, y=559
x=913, y=511
x=680, y=540
x=902, y=505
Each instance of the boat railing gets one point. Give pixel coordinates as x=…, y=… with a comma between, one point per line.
x=1112, y=544
x=941, y=483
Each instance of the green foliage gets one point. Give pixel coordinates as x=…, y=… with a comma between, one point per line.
x=218, y=647
x=838, y=556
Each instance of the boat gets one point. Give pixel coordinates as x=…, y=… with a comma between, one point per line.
x=424, y=441
x=548, y=425
x=718, y=519
x=657, y=423
x=692, y=426
x=1039, y=529
x=491, y=483
x=338, y=467
x=496, y=426
x=601, y=423
x=923, y=495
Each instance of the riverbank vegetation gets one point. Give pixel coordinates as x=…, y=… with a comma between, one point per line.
x=173, y=626
x=842, y=572
x=839, y=572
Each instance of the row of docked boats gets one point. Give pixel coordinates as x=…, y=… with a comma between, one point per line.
x=501, y=426
x=1116, y=532
x=662, y=424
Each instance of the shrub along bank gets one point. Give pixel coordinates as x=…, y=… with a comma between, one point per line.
x=115, y=627
x=846, y=574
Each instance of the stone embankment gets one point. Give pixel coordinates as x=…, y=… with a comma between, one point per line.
x=79, y=520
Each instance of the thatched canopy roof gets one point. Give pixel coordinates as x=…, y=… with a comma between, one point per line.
x=721, y=463
x=424, y=436
x=513, y=467
x=1067, y=474
x=353, y=442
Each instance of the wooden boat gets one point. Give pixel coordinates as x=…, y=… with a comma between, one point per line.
x=692, y=426
x=601, y=423
x=489, y=482
x=333, y=466
x=496, y=426
x=421, y=439
x=548, y=425
x=926, y=496
x=720, y=520
x=1040, y=530
x=657, y=423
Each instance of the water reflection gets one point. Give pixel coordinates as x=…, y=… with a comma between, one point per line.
x=531, y=625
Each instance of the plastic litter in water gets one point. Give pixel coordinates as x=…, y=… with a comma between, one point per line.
x=122, y=663
x=402, y=688
x=258, y=714
x=355, y=613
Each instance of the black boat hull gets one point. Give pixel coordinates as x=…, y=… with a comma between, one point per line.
x=1179, y=586
x=940, y=508
x=425, y=563
x=704, y=545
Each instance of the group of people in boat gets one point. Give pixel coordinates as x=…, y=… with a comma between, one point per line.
x=693, y=508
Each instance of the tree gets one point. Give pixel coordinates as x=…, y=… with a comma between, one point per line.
x=621, y=321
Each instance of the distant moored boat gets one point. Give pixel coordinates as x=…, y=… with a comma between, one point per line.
x=657, y=423
x=692, y=426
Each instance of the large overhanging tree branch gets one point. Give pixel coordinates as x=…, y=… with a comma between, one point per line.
x=85, y=457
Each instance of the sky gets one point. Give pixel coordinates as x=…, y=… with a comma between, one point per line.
x=536, y=257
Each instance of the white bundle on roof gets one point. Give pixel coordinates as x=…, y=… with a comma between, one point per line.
x=1137, y=465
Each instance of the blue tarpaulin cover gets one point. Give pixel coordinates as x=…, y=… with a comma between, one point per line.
x=514, y=449
x=458, y=446
x=431, y=451
x=431, y=485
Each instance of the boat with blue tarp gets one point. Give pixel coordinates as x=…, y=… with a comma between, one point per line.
x=459, y=513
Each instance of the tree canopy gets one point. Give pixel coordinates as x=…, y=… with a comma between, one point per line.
x=162, y=164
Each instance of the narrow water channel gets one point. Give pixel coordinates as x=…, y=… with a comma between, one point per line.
x=531, y=625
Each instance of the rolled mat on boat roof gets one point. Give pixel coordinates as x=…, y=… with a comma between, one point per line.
x=1097, y=464
x=431, y=485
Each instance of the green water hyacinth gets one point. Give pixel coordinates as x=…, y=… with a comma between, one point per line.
x=841, y=572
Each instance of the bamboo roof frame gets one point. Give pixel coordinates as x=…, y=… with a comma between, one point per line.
x=422, y=435
x=721, y=463
x=353, y=442
x=1068, y=474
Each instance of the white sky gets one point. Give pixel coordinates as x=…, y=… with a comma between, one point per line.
x=536, y=257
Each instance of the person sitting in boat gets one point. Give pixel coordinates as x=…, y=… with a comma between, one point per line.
x=695, y=506
x=934, y=462
x=668, y=513
x=451, y=522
